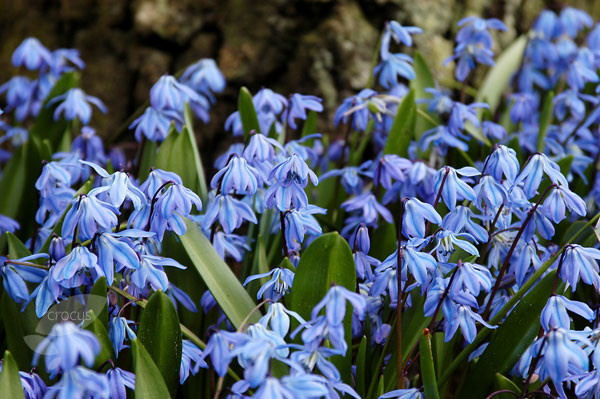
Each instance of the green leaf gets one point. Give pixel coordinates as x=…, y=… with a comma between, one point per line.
x=248, y=113
x=14, y=181
x=310, y=124
x=149, y=383
x=477, y=133
x=16, y=248
x=10, y=381
x=45, y=127
x=422, y=80
x=510, y=340
x=427, y=368
x=402, y=132
x=175, y=154
x=100, y=289
x=545, y=119
x=18, y=325
x=361, y=368
x=191, y=137
x=503, y=383
x=106, y=347
x=220, y=280
x=160, y=333
x=148, y=159
x=498, y=78
x=327, y=260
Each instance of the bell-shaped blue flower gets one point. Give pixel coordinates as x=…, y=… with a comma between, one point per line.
x=155, y=124
x=298, y=105
x=32, y=54
x=415, y=214
x=118, y=381
x=554, y=314
x=76, y=104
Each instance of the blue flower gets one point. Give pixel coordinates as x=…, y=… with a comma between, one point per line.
x=61, y=59
x=8, y=224
x=369, y=207
x=334, y=303
x=420, y=264
x=490, y=193
x=33, y=385
x=391, y=67
x=89, y=145
x=582, y=70
x=65, y=346
x=32, y=54
x=230, y=212
x=531, y=174
x=388, y=167
x=155, y=124
x=493, y=130
x=300, y=222
x=580, y=262
x=112, y=249
x=118, y=381
x=355, y=107
x=204, y=76
x=298, y=105
x=75, y=105
x=80, y=382
x=554, y=314
x=280, y=283
x=453, y=188
x=19, y=90
x=90, y=215
x=230, y=244
x=237, y=178
x=150, y=272
x=447, y=240
x=69, y=271
x=401, y=34
x=175, y=203
x=261, y=148
x=361, y=241
x=573, y=20
x=560, y=199
x=574, y=102
x=192, y=359
x=14, y=277
x=441, y=137
x=278, y=318
x=117, y=187
x=460, y=219
x=168, y=94
x=503, y=161
x=412, y=393
x=415, y=214
x=523, y=108
x=465, y=318
x=118, y=329
x=219, y=349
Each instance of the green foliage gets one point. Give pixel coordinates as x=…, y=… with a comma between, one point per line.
x=149, y=383
x=160, y=333
x=248, y=113
x=10, y=382
x=402, y=130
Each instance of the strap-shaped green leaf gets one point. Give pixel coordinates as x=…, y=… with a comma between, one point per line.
x=160, y=333
x=190, y=136
x=498, y=78
x=402, y=132
x=149, y=383
x=176, y=154
x=427, y=368
x=545, y=119
x=10, y=382
x=327, y=260
x=423, y=80
x=248, y=113
x=510, y=340
x=106, y=347
x=220, y=280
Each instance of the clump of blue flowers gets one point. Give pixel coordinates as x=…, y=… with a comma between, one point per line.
x=466, y=263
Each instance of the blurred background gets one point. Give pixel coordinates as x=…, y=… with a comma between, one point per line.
x=321, y=47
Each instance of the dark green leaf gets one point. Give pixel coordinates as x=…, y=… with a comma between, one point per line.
x=160, y=333
x=191, y=138
x=106, y=347
x=427, y=368
x=402, y=130
x=327, y=260
x=509, y=341
x=248, y=113
x=361, y=367
x=149, y=383
x=176, y=154
x=310, y=124
x=99, y=289
x=423, y=80
x=503, y=383
x=16, y=249
x=148, y=159
x=545, y=119
x=17, y=326
x=10, y=381
x=498, y=78
x=220, y=280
